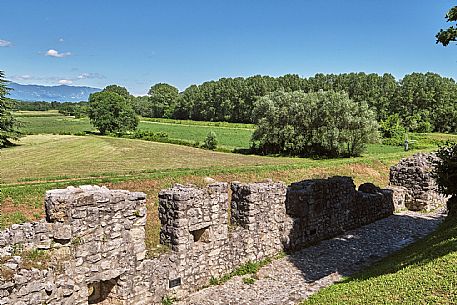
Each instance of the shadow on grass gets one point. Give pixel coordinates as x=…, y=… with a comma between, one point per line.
x=314, y=156
x=9, y=145
x=243, y=151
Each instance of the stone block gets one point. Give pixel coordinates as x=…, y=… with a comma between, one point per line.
x=62, y=231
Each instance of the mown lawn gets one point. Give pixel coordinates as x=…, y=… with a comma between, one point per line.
x=423, y=273
x=52, y=157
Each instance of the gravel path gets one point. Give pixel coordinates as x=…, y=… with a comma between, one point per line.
x=295, y=277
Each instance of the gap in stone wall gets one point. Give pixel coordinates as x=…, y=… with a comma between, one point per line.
x=101, y=292
x=201, y=235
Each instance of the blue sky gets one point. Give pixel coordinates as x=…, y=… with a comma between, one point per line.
x=138, y=43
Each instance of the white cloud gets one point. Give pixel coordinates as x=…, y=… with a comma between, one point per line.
x=21, y=77
x=90, y=76
x=65, y=82
x=83, y=76
x=31, y=78
x=55, y=53
x=59, y=79
x=61, y=40
x=5, y=43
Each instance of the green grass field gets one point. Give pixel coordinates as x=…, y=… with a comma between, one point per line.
x=200, y=123
x=53, y=124
x=229, y=135
x=49, y=113
x=51, y=157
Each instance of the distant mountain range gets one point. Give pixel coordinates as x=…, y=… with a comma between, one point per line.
x=62, y=93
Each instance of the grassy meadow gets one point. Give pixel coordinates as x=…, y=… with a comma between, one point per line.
x=56, y=157
x=52, y=156
x=229, y=135
x=51, y=122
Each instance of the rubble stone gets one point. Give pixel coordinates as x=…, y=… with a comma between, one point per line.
x=413, y=184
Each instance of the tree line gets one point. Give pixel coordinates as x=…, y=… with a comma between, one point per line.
x=76, y=109
x=420, y=102
x=423, y=102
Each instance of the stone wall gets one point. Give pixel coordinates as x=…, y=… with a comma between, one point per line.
x=413, y=185
x=320, y=209
x=95, y=240
x=95, y=237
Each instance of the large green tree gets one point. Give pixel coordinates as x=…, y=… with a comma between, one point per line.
x=450, y=34
x=426, y=102
x=374, y=89
x=110, y=112
x=163, y=98
x=142, y=106
x=122, y=91
x=317, y=123
x=8, y=124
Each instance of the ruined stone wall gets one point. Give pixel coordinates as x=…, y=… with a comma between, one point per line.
x=413, y=185
x=95, y=237
x=324, y=208
x=265, y=219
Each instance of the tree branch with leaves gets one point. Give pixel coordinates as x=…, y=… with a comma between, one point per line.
x=450, y=34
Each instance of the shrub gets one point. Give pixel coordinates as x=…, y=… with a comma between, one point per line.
x=150, y=136
x=392, y=130
x=419, y=122
x=210, y=141
x=445, y=172
x=393, y=141
x=312, y=124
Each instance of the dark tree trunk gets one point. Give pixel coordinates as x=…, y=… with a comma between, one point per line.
x=452, y=206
